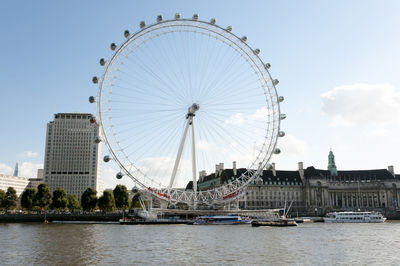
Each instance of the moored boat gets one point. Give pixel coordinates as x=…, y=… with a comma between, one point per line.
x=354, y=217
x=220, y=220
x=280, y=222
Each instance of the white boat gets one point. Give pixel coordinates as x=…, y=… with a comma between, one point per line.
x=220, y=220
x=354, y=217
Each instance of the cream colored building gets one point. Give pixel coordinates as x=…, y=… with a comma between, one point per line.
x=72, y=155
x=18, y=183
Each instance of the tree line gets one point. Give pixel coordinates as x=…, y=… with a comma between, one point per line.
x=41, y=199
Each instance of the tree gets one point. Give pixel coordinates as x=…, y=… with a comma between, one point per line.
x=89, y=199
x=2, y=196
x=73, y=203
x=60, y=199
x=135, y=201
x=11, y=199
x=28, y=198
x=43, y=197
x=107, y=201
x=121, y=196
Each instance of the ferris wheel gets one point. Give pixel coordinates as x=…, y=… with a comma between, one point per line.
x=182, y=98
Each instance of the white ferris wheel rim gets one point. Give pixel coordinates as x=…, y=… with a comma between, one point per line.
x=228, y=191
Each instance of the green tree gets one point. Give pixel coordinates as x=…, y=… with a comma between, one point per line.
x=2, y=196
x=121, y=197
x=73, y=203
x=28, y=198
x=43, y=197
x=107, y=201
x=89, y=199
x=11, y=199
x=60, y=199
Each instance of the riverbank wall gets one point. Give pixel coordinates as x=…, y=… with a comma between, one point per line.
x=41, y=217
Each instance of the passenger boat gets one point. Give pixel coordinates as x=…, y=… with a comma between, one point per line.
x=354, y=217
x=220, y=220
x=133, y=221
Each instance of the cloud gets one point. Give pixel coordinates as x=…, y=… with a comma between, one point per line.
x=379, y=133
x=5, y=169
x=260, y=114
x=28, y=169
x=27, y=155
x=236, y=119
x=160, y=170
x=292, y=146
x=202, y=145
x=362, y=104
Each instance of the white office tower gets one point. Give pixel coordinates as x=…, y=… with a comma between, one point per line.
x=73, y=153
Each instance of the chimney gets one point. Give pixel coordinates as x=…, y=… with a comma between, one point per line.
x=202, y=174
x=301, y=170
x=216, y=170
x=391, y=169
x=273, y=169
x=234, y=168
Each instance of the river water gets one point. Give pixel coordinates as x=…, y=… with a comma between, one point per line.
x=306, y=244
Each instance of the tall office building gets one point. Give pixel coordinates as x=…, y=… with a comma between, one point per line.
x=72, y=155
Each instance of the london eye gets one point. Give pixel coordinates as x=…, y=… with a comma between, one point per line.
x=178, y=97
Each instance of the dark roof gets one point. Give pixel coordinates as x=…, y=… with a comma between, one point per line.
x=267, y=176
x=375, y=174
x=289, y=176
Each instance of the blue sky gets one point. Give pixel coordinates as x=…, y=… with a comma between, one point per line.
x=338, y=64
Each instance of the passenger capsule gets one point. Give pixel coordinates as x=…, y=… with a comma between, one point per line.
x=244, y=38
x=95, y=80
x=102, y=62
x=119, y=175
x=212, y=21
x=97, y=140
x=113, y=46
x=257, y=51
x=92, y=120
x=177, y=16
x=106, y=158
x=282, y=116
x=126, y=33
x=281, y=134
x=277, y=151
x=195, y=17
x=275, y=82
x=229, y=28
x=135, y=189
x=142, y=24
x=281, y=99
x=159, y=18
x=92, y=99
x=267, y=65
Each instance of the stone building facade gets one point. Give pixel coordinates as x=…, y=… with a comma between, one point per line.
x=314, y=191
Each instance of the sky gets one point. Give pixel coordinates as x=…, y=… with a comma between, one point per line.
x=337, y=62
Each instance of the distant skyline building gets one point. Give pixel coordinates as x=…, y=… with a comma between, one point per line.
x=73, y=154
x=16, y=170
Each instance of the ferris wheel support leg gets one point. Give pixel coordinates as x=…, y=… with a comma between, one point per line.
x=194, y=165
x=178, y=156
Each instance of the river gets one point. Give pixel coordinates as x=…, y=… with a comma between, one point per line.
x=306, y=244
